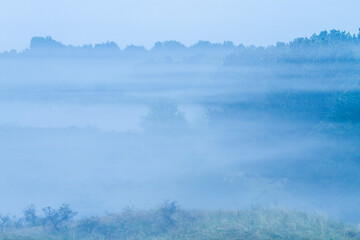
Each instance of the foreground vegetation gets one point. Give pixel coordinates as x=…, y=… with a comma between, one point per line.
x=171, y=222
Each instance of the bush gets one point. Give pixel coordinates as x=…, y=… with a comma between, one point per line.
x=55, y=218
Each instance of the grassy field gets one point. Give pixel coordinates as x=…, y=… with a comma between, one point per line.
x=170, y=222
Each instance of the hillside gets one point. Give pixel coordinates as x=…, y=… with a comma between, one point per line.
x=170, y=222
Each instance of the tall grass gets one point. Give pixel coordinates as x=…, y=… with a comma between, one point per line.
x=170, y=222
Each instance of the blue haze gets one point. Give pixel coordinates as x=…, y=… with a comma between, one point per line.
x=143, y=22
x=211, y=125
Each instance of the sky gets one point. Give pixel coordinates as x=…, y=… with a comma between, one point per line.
x=144, y=22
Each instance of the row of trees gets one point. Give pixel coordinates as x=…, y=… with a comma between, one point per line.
x=326, y=47
x=324, y=38
x=45, y=46
x=119, y=225
x=51, y=218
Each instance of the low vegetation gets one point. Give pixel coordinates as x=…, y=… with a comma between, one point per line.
x=171, y=222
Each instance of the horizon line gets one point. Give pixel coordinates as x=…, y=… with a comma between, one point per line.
x=223, y=43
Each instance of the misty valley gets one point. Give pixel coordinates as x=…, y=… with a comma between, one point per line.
x=208, y=141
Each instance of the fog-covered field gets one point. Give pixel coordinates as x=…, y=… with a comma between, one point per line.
x=210, y=126
x=168, y=221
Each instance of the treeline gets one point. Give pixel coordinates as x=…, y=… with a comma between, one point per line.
x=327, y=46
x=49, y=218
x=61, y=220
x=48, y=47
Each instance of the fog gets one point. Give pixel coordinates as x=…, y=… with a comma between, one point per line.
x=210, y=126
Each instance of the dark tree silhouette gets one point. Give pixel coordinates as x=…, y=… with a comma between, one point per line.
x=4, y=219
x=30, y=216
x=55, y=217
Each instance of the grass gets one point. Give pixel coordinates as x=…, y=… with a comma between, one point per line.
x=176, y=224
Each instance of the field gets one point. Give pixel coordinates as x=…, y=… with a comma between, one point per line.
x=171, y=222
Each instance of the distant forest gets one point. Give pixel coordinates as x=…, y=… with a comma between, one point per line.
x=327, y=46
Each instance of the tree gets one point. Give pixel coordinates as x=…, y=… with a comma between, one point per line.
x=164, y=116
x=30, y=215
x=56, y=217
x=45, y=43
x=4, y=220
x=88, y=225
x=167, y=212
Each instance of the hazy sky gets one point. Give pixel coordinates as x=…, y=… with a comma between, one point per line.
x=144, y=22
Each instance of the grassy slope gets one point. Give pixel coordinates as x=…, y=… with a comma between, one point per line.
x=159, y=224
